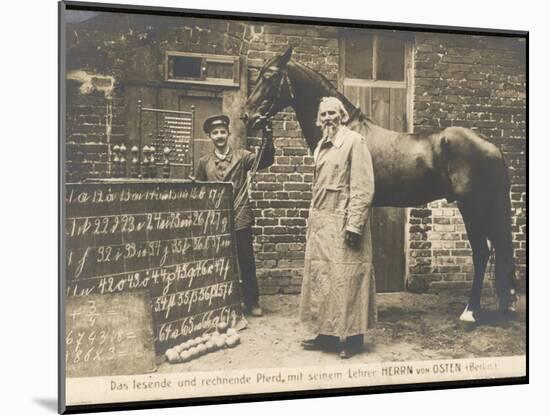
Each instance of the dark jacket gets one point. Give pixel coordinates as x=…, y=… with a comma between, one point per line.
x=235, y=169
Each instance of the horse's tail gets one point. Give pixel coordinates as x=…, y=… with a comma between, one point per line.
x=500, y=235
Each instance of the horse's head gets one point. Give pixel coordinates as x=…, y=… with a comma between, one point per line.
x=271, y=93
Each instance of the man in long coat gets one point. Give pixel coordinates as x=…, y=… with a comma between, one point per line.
x=338, y=288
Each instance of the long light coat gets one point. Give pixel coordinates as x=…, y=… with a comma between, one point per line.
x=338, y=288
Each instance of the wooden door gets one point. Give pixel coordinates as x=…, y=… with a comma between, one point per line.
x=376, y=78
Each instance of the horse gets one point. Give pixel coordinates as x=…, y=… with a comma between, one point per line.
x=454, y=163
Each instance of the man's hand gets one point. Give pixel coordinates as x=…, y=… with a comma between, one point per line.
x=352, y=239
x=268, y=130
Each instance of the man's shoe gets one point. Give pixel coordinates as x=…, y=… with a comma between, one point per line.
x=254, y=311
x=351, y=346
x=313, y=344
x=346, y=353
x=310, y=342
x=325, y=343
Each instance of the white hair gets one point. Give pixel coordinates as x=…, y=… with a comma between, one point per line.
x=334, y=101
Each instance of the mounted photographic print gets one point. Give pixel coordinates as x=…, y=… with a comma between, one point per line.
x=256, y=207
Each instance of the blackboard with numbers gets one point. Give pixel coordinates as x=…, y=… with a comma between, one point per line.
x=171, y=238
x=110, y=334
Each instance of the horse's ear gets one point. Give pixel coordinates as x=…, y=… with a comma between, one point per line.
x=285, y=57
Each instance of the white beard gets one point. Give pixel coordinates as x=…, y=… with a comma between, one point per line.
x=328, y=131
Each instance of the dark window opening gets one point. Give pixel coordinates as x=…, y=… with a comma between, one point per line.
x=391, y=59
x=202, y=68
x=359, y=57
x=185, y=67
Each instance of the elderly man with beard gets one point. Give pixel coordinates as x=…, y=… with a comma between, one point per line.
x=338, y=288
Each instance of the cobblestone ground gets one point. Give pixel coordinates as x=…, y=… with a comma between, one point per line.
x=410, y=327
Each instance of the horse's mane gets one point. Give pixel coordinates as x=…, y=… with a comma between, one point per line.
x=308, y=74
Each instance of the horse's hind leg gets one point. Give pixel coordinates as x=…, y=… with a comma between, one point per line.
x=501, y=237
x=480, y=252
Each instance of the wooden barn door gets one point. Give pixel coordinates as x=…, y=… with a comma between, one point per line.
x=376, y=70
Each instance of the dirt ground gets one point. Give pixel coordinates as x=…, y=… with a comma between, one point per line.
x=410, y=327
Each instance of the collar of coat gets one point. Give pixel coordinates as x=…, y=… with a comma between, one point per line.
x=337, y=141
x=224, y=157
x=338, y=138
x=232, y=158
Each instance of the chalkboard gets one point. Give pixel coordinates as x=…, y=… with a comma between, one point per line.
x=109, y=334
x=172, y=238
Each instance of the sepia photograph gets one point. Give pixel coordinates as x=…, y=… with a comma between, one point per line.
x=264, y=207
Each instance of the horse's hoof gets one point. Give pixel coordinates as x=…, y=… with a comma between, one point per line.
x=508, y=313
x=510, y=307
x=467, y=316
x=514, y=300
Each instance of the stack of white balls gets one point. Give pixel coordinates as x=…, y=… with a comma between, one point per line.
x=207, y=343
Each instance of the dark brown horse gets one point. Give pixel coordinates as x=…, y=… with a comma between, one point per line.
x=410, y=169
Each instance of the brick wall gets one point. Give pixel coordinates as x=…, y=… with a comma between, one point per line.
x=479, y=83
x=94, y=123
x=96, y=55
x=113, y=48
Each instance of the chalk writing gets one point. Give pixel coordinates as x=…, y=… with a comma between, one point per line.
x=207, y=222
x=199, y=296
x=198, y=323
x=161, y=279
x=101, y=338
x=171, y=239
x=84, y=261
x=129, y=193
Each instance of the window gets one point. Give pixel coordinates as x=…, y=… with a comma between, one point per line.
x=202, y=69
x=359, y=57
x=375, y=57
x=185, y=67
x=376, y=75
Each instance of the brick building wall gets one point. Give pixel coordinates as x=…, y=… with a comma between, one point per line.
x=479, y=83
x=95, y=106
x=475, y=82
x=110, y=50
x=94, y=123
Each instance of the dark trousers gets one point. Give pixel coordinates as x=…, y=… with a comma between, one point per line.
x=247, y=266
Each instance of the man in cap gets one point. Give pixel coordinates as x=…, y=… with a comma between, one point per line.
x=229, y=164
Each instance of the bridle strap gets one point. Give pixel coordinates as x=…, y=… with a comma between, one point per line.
x=289, y=85
x=238, y=202
x=270, y=113
x=240, y=197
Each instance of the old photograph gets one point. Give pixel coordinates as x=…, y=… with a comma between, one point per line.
x=266, y=206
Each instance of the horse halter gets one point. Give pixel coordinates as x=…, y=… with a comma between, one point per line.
x=284, y=78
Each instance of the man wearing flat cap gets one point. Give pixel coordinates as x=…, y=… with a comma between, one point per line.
x=227, y=164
